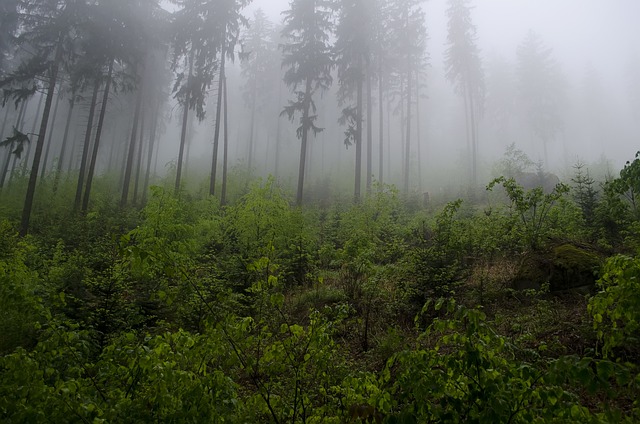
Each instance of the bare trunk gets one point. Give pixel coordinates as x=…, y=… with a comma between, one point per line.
x=131, y=150
x=96, y=144
x=152, y=142
x=53, y=122
x=225, y=158
x=63, y=148
x=369, y=128
x=418, y=139
x=185, y=122
x=380, y=131
x=278, y=133
x=216, y=136
x=4, y=122
x=136, y=183
x=33, y=178
x=252, y=128
x=407, y=150
x=358, y=178
x=20, y=127
x=25, y=164
x=303, y=145
x=87, y=145
x=474, y=143
x=7, y=160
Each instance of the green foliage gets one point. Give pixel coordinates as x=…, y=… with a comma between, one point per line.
x=619, y=211
x=434, y=260
x=20, y=295
x=532, y=208
x=513, y=163
x=616, y=308
x=463, y=371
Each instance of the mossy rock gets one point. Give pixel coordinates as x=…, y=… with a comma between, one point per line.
x=562, y=267
x=573, y=267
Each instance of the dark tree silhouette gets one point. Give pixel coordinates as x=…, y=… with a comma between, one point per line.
x=307, y=56
x=463, y=68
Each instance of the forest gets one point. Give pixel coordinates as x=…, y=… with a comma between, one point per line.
x=208, y=214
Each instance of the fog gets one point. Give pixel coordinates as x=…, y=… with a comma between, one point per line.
x=590, y=50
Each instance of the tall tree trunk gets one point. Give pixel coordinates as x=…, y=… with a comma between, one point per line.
x=63, y=147
x=225, y=158
x=7, y=160
x=254, y=96
x=467, y=128
x=358, y=141
x=138, y=165
x=126, y=182
x=20, y=127
x=4, y=122
x=185, y=124
x=388, y=137
x=152, y=141
x=369, y=128
x=216, y=136
x=418, y=139
x=407, y=150
x=96, y=144
x=278, y=132
x=402, y=122
x=33, y=178
x=303, y=145
x=87, y=145
x=474, y=143
x=25, y=164
x=380, y=130
x=53, y=122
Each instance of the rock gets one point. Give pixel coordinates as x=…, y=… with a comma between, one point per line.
x=562, y=267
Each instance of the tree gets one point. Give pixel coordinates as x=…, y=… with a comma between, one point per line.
x=307, y=56
x=47, y=27
x=196, y=40
x=354, y=37
x=141, y=36
x=8, y=26
x=230, y=23
x=258, y=69
x=408, y=40
x=541, y=89
x=464, y=69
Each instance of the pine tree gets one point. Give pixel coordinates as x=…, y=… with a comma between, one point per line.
x=308, y=26
x=48, y=27
x=258, y=69
x=408, y=36
x=354, y=38
x=464, y=69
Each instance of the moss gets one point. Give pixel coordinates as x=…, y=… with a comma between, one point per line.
x=564, y=267
x=573, y=267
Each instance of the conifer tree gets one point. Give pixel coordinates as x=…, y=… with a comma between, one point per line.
x=307, y=56
x=464, y=69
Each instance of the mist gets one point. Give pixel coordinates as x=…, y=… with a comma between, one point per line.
x=580, y=105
